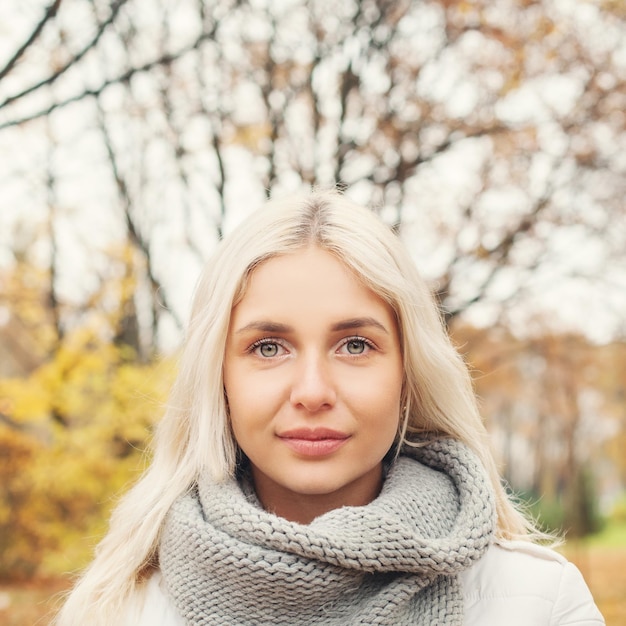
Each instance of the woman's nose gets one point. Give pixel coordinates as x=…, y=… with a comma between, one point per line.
x=313, y=387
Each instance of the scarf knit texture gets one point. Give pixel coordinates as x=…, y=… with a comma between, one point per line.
x=227, y=561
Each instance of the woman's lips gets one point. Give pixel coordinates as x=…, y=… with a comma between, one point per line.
x=314, y=442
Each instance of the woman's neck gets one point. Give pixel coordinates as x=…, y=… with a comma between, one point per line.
x=304, y=508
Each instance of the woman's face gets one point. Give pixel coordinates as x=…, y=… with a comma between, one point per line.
x=313, y=376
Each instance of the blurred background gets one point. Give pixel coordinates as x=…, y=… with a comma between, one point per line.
x=133, y=134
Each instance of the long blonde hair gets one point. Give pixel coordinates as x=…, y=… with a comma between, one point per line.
x=194, y=436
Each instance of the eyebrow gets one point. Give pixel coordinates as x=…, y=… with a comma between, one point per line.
x=266, y=327
x=359, y=322
x=349, y=324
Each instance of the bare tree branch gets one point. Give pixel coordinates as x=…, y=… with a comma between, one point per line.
x=179, y=153
x=134, y=234
x=210, y=25
x=499, y=255
x=50, y=12
x=164, y=59
x=266, y=91
x=53, y=296
x=75, y=59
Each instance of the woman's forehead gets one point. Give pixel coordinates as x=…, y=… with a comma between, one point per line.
x=308, y=290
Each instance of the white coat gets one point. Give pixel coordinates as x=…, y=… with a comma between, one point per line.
x=515, y=583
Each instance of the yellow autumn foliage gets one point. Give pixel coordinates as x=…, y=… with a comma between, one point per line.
x=73, y=435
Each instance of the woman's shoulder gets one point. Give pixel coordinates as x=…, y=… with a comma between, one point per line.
x=531, y=583
x=151, y=605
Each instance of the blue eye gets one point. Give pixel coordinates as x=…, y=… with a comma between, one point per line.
x=356, y=346
x=268, y=349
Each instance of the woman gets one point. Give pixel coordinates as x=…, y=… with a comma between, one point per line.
x=322, y=459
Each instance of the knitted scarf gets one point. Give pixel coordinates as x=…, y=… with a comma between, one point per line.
x=394, y=561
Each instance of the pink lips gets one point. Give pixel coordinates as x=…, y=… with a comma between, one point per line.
x=314, y=441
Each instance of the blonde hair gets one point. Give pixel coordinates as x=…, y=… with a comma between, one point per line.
x=194, y=435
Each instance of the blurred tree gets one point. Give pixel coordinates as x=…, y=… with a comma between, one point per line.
x=491, y=134
x=611, y=385
x=75, y=419
x=58, y=475
x=551, y=410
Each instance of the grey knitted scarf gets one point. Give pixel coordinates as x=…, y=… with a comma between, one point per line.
x=395, y=561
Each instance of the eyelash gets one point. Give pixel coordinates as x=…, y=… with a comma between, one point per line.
x=263, y=342
x=346, y=341
x=363, y=340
